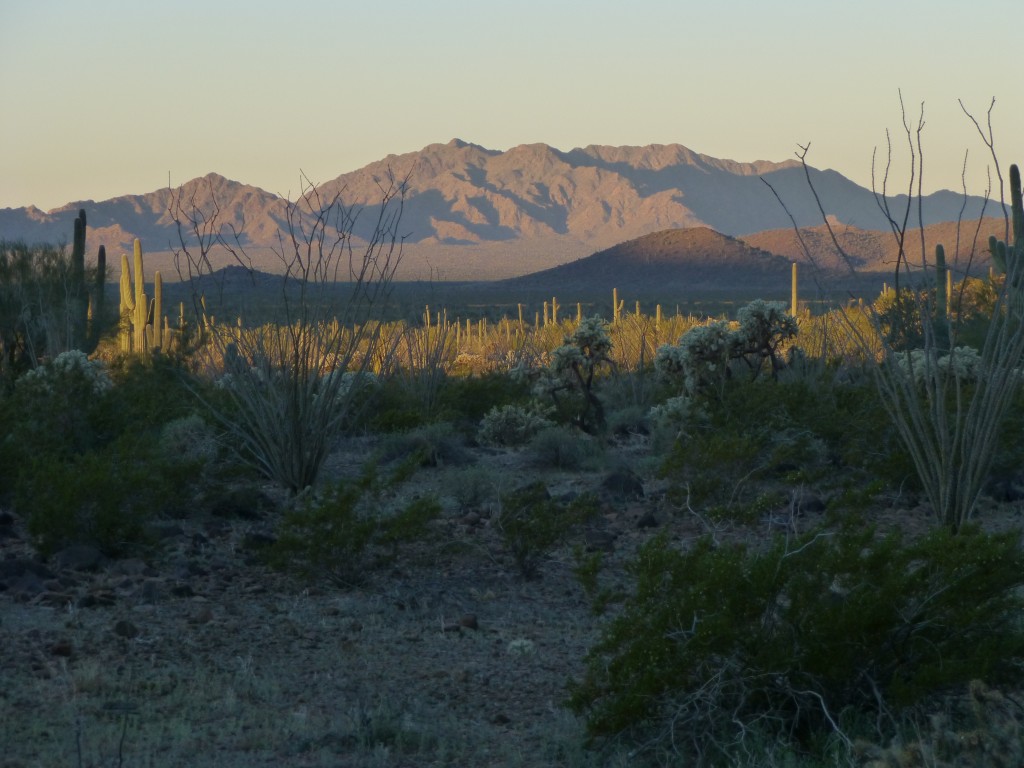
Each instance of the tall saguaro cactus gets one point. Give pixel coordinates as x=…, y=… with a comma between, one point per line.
x=79, y=308
x=98, y=300
x=142, y=327
x=1006, y=256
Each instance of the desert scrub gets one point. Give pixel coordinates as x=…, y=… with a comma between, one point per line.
x=63, y=408
x=564, y=448
x=340, y=533
x=531, y=523
x=432, y=445
x=510, y=425
x=791, y=429
x=722, y=644
x=472, y=487
x=104, y=497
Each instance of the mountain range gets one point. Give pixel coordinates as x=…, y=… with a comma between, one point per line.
x=473, y=213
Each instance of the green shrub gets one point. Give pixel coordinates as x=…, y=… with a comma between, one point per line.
x=431, y=445
x=102, y=497
x=722, y=644
x=562, y=448
x=472, y=487
x=338, y=534
x=531, y=523
x=802, y=428
x=469, y=398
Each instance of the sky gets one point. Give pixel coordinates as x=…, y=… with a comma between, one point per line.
x=106, y=98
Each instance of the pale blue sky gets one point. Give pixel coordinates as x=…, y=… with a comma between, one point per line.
x=104, y=98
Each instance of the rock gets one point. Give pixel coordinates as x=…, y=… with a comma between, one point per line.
x=258, y=541
x=126, y=629
x=623, y=484
x=162, y=530
x=62, y=648
x=23, y=578
x=79, y=557
x=131, y=566
x=1007, y=488
x=804, y=501
x=469, y=621
x=204, y=616
x=95, y=600
x=647, y=520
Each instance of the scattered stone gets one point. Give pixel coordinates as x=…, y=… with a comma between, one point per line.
x=126, y=629
x=96, y=600
x=79, y=557
x=162, y=530
x=469, y=621
x=258, y=541
x=501, y=719
x=624, y=484
x=804, y=501
x=132, y=566
x=597, y=540
x=11, y=571
x=152, y=591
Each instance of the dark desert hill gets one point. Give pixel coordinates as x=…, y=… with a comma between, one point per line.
x=680, y=260
x=966, y=246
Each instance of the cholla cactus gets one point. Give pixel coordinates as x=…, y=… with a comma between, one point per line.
x=701, y=359
x=65, y=367
x=510, y=425
x=764, y=327
x=964, y=363
x=569, y=376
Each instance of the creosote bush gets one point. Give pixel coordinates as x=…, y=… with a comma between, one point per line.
x=338, y=534
x=722, y=645
x=531, y=523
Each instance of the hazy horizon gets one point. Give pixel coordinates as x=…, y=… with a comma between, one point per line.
x=116, y=98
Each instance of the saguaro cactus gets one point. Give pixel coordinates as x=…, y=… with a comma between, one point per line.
x=1005, y=256
x=98, y=300
x=142, y=323
x=941, y=319
x=79, y=307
